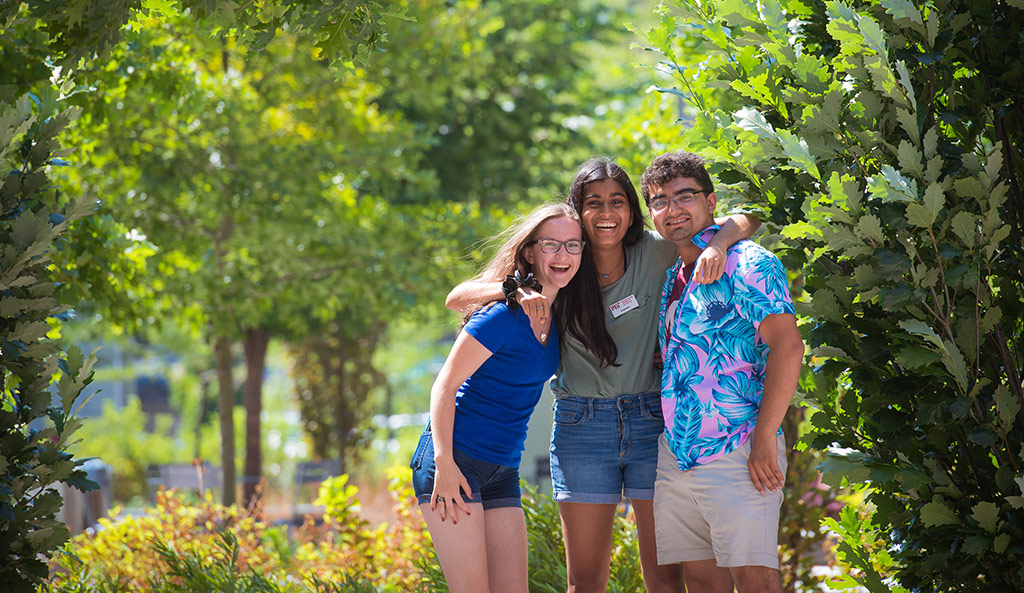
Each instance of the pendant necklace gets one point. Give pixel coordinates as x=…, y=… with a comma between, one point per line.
x=610, y=272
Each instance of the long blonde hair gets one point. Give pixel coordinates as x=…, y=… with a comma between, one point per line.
x=510, y=257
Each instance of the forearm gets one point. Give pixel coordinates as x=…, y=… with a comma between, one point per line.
x=734, y=228
x=463, y=297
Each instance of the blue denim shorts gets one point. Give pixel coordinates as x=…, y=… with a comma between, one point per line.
x=494, y=485
x=603, y=449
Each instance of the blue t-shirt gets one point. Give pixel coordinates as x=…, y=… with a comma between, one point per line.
x=493, y=406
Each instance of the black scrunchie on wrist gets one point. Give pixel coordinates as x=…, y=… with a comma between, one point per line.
x=513, y=283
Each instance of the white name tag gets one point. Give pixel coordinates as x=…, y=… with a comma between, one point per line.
x=625, y=305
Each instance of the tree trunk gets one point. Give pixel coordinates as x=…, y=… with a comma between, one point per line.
x=226, y=393
x=204, y=396
x=256, y=341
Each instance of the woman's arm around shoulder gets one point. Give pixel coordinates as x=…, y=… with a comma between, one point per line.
x=467, y=295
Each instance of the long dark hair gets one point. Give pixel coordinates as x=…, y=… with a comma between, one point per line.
x=598, y=169
x=584, y=307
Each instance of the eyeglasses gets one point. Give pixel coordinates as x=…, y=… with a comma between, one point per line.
x=679, y=200
x=572, y=246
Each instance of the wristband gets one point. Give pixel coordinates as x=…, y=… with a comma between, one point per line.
x=509, y=288
x=529, y=281
x=514, y=283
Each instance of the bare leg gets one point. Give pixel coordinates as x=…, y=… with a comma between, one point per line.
x=587, y=530
x=507, y=550
x=705, y=576
x=756, y=579
x=667, y=578
x=461, y=548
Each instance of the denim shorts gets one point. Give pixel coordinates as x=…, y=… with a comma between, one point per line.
x=494, y=485
x=603, y=449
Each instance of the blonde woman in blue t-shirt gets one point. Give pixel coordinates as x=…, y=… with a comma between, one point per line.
x=604, y=443
x=466, y=466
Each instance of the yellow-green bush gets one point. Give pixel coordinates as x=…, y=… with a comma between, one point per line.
x=184, y=545
x=203, y=546
x=346, y=545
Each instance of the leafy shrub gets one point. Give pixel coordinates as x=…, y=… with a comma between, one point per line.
x=863, y=551
x=346, y=545
x=338, y=498
x=204, y=546
x=35, y=431
x=886, y=138
x=207, y=571
x=124, y=550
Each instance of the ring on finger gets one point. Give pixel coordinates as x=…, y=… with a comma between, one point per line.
x=440, y=499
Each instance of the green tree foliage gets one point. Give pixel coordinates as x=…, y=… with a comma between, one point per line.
x=39, y=384
x=66, y=33
x=491, y=85
x=886, y=139
x=44, y=42
x=201, y=147
x=240, y=183
x=485, y=88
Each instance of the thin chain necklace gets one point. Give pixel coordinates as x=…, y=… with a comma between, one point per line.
x=604, y=277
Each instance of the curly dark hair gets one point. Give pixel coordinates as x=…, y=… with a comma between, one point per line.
x=672, y=165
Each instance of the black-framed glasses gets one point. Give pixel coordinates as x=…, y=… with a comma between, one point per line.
x=572, y=246
x=679, y=200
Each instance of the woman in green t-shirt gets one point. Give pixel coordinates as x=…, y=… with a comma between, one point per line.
x=604, y=442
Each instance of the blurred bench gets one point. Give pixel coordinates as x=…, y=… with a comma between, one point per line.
x=308, y=477
x=184, y=476
x=82, y=510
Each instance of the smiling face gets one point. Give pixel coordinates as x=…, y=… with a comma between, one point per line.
x=554, y=270
x=606, y=213
x=680, y=222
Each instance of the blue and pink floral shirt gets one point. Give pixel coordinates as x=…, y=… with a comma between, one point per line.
x=714, y=355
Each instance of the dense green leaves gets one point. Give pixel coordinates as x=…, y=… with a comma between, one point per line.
x=36, y=421
x=68, y=32
x=850, y=121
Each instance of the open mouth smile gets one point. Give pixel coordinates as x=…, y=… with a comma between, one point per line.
x=606, y=226
x=677, y=221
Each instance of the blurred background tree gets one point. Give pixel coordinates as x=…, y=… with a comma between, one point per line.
x=262, y=179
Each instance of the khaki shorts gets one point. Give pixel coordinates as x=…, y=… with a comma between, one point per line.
x=713, y=511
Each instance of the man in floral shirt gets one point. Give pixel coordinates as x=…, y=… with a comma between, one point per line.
x=732, y=356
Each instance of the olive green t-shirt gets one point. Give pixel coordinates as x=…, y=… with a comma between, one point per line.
x=636, y=297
